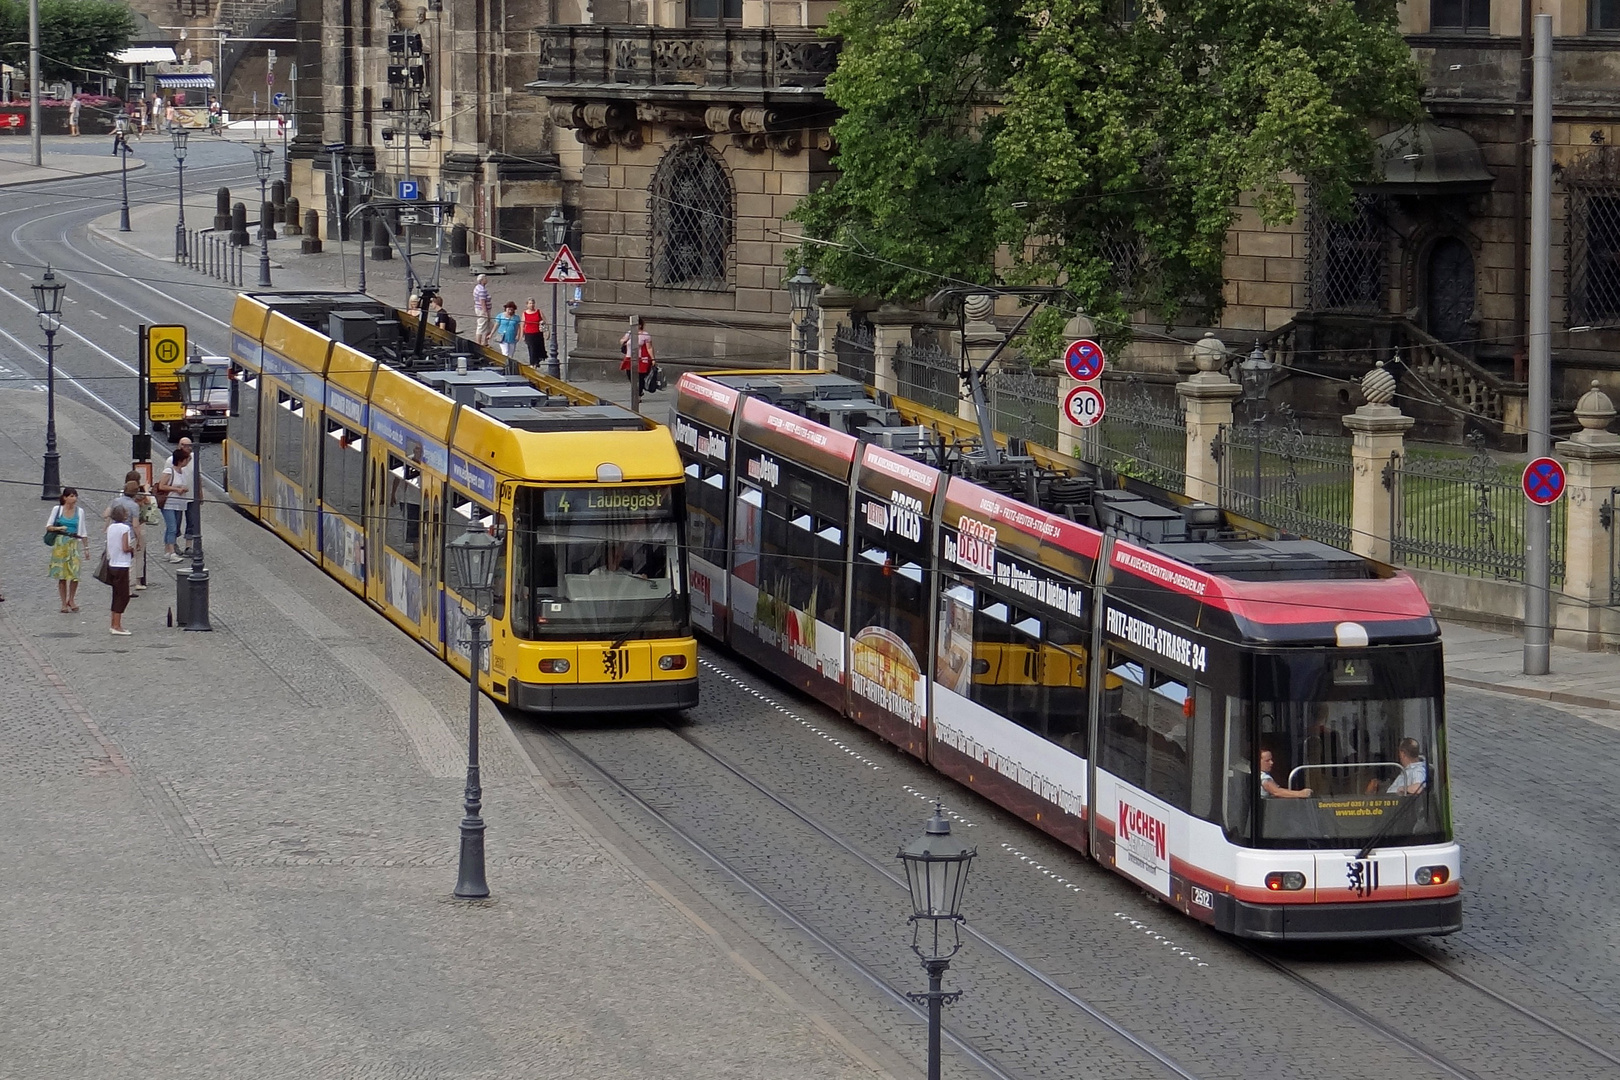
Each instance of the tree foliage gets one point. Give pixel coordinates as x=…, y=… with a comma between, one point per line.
x=76, y=37
x=1054, y=141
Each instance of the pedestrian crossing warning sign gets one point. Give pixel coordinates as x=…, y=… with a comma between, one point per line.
x=564, y=269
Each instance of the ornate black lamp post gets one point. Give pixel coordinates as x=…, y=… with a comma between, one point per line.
x=262, y=156
x=1255, y=375
x=179, y=135
x=362, y=176
x=802, y=290
x=556, y=236
x=936, y=873
x=196, y=378
x=48, y=302
x=473, y=554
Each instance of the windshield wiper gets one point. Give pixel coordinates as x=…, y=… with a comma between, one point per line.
x=644, y=620
x=1387, y=827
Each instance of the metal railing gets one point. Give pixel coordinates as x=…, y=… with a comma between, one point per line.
x=1275, y=473
x=853, y=349
x=1606, y=519
x=1139, y=436
x=213, y=254
x=928, y=375
x=1024, y=403
x=1465, y=516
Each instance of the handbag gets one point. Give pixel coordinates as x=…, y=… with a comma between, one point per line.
x=52, y=537
x=103, y=572
x=162, y=496
x=150, y=514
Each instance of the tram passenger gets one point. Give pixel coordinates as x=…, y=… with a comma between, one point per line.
x=1269, y=788
x=1414, y=775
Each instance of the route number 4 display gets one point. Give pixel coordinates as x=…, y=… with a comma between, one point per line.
x=1084, y=406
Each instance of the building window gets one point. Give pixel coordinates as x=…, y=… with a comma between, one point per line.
x=691, y=221
x=1594, y=295
x=1604, y=15
x=713, y=11
x=1348, y=258
x=1470, y=16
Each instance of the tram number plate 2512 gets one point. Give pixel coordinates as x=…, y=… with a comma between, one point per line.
x=616, y=663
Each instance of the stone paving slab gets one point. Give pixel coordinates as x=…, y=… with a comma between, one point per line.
x=1487, y=660
x=226, y=855
x=62, y=158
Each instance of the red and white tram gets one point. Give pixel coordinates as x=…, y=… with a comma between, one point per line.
x=1250, y=727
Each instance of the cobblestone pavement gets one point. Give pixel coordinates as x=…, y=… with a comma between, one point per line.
x=230, y=854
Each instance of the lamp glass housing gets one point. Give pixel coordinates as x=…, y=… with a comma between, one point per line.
x=179, y=136
x=195, y=377
x=1256, y=373
x=936, y=871
x=802, y=289
x=48, y=294
x=556, y=228
x=475, y=552
x=262, y=155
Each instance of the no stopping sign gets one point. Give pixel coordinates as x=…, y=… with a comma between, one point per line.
x=1084, y=406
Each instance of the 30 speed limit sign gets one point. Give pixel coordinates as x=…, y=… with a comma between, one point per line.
x=1084, y=406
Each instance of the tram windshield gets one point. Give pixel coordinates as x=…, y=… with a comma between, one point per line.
x=1362, y=732
x=597, y=563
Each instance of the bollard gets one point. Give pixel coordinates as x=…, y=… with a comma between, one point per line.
x=458, y=246
x=312, y=233
x=222, y=209
x=292, y=226
x=239, y=233
x=211, y=256
x=278, y=195
x=381, y=249
x=267, y=220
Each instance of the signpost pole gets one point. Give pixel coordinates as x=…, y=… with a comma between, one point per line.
x=33, y=82
x=1538, y=519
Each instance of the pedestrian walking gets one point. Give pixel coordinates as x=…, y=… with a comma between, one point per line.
x=157, y=111
x=174, y=497
x=645, y=362
x=534, y=332
x=440, y=316
x=75, y=107
x=120, y=556
x=506, y=329
x=120, y=133
x=68, y=535
x=481, y=310
x=129, y=500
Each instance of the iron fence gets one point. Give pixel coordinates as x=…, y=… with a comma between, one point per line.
x=1139, y=436
x=1465, y=516
x=1606, y=517
x=853, y=348
x=928, y=375
x=1024, y=404
x=211, y=253
x=1275, y=473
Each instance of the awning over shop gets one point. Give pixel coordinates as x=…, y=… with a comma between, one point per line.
x=146, y=55
x=185, y=82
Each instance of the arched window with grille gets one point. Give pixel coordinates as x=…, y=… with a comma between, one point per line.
x=691, y=221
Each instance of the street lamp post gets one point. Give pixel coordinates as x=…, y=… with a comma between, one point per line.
x=362, y=176
x=48, y=303
x=936, y=875
x=802, y=290
x=473, y=556
x=262, y=156
x=1255, y=375
x=196, y=378
x=122, y=124
x=557, y=236
x=179, y=134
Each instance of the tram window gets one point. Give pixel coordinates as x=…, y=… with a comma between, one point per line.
x=1239, y=778
x=404, y=531
x=290, y=436
x=343, y=470
x=802, y=560
x=244, y=422
x=1204, y=755
x=706, y=512
x=887, y=604
x=1145, y=721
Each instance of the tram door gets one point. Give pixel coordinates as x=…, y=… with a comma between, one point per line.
x=432, y=560
x=310, y=484
x=376, y=511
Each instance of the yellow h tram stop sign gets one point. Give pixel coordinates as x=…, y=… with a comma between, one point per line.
x=164, y=356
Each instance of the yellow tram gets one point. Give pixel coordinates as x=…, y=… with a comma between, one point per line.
x=367, y=442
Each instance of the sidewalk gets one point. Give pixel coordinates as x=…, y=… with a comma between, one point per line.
x=1487, y=660
x=62, y=157
x=231, y=854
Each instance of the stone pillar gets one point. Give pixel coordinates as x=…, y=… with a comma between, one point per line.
x=980, y=337
x=1592, y=466
x=891, y=325
x=1206, y=402
x=832, y=311
x=1378, y=433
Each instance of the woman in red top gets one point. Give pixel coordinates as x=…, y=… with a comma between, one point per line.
x=534, y=335
x=645, y=360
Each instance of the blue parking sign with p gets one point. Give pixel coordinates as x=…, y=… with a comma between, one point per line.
x=407, y=190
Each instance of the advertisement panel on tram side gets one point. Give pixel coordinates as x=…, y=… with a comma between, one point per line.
x=1010, y=712
x=789, y=547
x=891, y=588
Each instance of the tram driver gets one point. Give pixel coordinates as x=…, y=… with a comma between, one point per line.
x=1414, y=775
x=1269, y=788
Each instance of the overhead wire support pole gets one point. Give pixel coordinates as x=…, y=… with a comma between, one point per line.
x=33, y=84
x=1538, y=519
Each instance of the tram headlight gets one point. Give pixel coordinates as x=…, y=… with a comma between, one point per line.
x=1285, y=881
x=672, y=663
x=557, y=666
x=1432, y=875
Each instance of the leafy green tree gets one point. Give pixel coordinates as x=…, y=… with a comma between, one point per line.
x=1056, y=141
x=77, y=38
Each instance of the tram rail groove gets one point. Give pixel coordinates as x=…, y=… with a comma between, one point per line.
x=897, y=995
x=999, y=949
x=1502, y=999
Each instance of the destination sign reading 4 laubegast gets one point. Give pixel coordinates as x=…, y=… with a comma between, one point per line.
x=601, y=504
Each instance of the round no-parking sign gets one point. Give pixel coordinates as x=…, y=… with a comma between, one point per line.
x=1084, y=406
x=1543, y=481
x=1083, y=360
